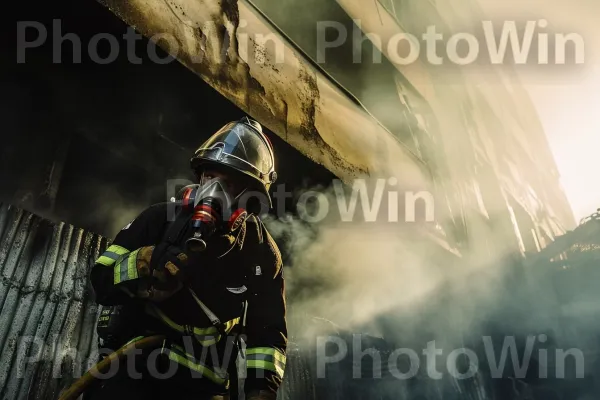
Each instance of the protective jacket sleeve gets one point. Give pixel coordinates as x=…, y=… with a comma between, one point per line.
x=114, y=272
x=266, y=327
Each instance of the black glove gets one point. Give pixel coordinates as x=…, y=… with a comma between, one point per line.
x=161, y=271
x=170, y=260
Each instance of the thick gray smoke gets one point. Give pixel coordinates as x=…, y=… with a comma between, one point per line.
x=353, y=272
x=390, y=280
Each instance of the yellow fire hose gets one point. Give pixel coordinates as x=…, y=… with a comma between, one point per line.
x=81, y=384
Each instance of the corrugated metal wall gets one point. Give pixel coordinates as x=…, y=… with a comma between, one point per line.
x=47, y=333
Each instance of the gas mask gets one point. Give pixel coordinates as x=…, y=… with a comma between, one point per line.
x=214, y=208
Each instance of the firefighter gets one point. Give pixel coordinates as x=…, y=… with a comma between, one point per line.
x=203, y=302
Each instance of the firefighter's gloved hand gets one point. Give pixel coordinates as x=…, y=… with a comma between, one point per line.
x=161, y=272
x=262, y=395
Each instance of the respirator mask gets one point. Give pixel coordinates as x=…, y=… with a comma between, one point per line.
x=213, y=207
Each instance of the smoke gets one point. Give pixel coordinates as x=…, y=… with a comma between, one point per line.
x=393, y=280
x=355, y=272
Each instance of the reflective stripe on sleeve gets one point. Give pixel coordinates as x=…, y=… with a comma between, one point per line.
x=125, y=268
x=111, y=255
x=267, y=358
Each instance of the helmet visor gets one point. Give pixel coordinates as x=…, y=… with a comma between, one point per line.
x=242, y=143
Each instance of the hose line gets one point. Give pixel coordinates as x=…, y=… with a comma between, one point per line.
x=81, y=384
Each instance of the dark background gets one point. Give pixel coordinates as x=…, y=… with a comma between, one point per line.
x=93, y=145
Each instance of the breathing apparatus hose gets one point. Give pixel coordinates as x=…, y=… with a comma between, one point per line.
x=81, y=384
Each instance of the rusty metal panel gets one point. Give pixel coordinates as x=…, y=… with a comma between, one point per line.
x=47, y=321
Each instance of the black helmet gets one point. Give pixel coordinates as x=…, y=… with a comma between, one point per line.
x=242, y=146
